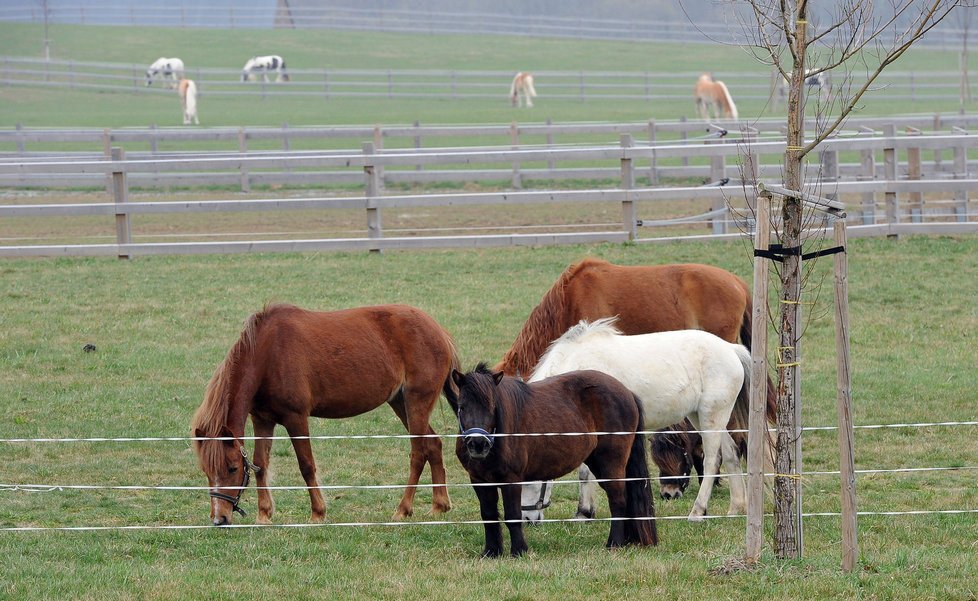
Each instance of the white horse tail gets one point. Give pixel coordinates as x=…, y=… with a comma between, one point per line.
x=728, y=100
x=530, y=91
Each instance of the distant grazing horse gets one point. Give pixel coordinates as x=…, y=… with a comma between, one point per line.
x=815, y=80
x=521, y=91
x=680, y=374
x=188, y=101
x=290, y=364
x=713, y=99
x=264, y=65
x=492, y=408
x=167, y=70
x=646, y=298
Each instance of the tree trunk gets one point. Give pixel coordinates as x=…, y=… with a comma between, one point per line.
x=787, y=486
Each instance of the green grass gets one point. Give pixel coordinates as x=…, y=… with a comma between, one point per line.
x=307, y=49
x=161, y=325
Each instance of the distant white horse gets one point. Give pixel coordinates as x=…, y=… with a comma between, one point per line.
x=713, y=98
x=521, y=90
x=817, y=81
x=188, y=101
x=678, y=374
x=264, y=65
x=167, y=70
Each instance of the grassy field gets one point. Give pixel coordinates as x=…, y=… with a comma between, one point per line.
x=162, y=324
x=331, y=49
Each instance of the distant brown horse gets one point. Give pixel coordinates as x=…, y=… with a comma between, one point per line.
x=646, y=299
x=490, y=406
x=290, y=364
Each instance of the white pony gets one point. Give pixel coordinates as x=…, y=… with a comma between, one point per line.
x=188, y=101
x=521, y=90
x=713, y=98
x=678, y=374
x=818, y=81
x=167, y=70
x=263, y=65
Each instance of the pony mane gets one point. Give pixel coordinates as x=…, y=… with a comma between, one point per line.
x=546, y=323
x=584, y=328
x=212, y=414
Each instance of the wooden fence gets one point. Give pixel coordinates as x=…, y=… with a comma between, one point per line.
x=900, y=194
x=677, y=150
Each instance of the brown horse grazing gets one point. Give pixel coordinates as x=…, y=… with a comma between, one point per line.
x=646, y=299
x=490, y=406
x=290, y=364
x=677, y=451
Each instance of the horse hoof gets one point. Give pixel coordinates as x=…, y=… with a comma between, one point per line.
x=402, y=513
x=318, y=518
x=584, y=514
x=696, y=517
x=437, y=508
x=264, y=520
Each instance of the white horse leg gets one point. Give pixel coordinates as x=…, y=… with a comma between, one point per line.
x=731, y=465
x=588, y=490
x=711, y=457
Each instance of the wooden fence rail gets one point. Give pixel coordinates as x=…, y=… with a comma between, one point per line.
x=939, y=205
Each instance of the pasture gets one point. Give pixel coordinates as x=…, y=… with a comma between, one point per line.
x=162, y=324
x=311, y=49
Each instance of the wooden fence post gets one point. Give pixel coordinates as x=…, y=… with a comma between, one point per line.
x=374, y=228
x=718, y=170
x=914, y=170
x=868, y=173
x=243, y=149
x=551, y=163
x=107, y=152
x=627, y=183
x=961, y=172
x=850, y=548
x=889, y=173
x=120, y=194
x=377, y=147
x=20, y=139
x=653, y=161
x=514, y=140
x=417, y=141
x=757, y=428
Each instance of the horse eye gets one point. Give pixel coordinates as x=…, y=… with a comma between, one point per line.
x=233, y=470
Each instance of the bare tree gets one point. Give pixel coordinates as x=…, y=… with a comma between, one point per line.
x=860, y=35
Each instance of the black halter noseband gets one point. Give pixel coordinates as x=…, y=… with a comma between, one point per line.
x=234, y=500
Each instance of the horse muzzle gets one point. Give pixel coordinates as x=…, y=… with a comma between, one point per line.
x=478, y=442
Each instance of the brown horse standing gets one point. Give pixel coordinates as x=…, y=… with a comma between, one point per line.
x=290, y=364
x=490, y=406
x=646, y=299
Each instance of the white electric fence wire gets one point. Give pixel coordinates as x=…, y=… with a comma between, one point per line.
x=449, y=436
x=451, y=523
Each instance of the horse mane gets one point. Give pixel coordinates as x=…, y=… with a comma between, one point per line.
x=546, y=323
x=212, y=415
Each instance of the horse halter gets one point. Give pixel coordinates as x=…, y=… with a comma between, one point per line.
x=473, y=434
x=248, y=466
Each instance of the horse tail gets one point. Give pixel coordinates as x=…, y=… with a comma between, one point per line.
x=449, y=388
x=530, y=90
x=285, y=74
x=728, y=100
x=191, y=97
x=740, y=417
x=512, y=86
x=638, y=491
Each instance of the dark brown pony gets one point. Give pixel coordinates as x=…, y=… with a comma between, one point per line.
x=646, y=299
x=677, y=451
x=491, y=408
x=290, y=364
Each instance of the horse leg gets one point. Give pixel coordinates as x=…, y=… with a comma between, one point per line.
x=731, y=464
x=263, y=448
x=513, y=512
x=586, y=506
x=711, y=457
x=298, y=428
x=489, y=512
x=423, y=450
x=614, y=486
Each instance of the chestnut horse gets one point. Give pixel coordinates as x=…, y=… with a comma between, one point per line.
x=290, y=364
x=521, y=91
x=498, y=416
x=713, y=99
x=646, y=299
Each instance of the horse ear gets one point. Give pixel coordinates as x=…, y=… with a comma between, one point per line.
x=497, y=377
x=458, y=377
